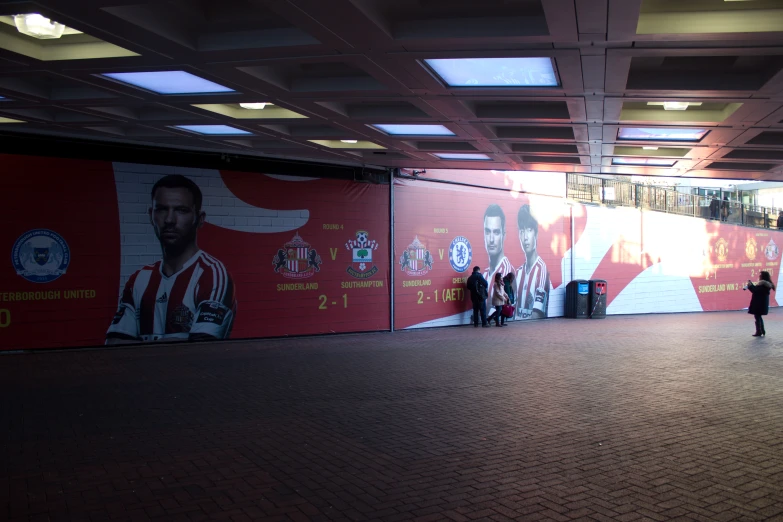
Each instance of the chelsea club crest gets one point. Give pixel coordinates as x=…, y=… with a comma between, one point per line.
x=460, y=254
x=40, y=255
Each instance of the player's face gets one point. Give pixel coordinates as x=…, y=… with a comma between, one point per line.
x=494, y=235
x=174, y=217
x=528, y=238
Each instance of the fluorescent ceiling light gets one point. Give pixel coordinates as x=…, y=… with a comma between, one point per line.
x=254, y=106
x=349, y=141
x=458, y=156
x=214, y=130
x=413, y=130
x=495, y=72
x=661, y=134
x=675, y=106
x=168, y=82
x=38, y=26
x=650, y=148
x=647, y=162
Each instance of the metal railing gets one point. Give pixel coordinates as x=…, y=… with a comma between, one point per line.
x=588, y=189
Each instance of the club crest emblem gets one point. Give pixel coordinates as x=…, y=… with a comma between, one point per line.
x=296, y=260
x=416, y=260
x=361, y=250
x=771, y=251
x=751, y=248
x=180, y=319
x=40, y=255
x=460, y=254
x=722, y=249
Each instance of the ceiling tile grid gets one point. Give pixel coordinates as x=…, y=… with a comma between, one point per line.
x=644, y=87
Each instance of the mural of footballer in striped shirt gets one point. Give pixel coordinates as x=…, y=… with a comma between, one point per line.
x=188, y=294
x=494, y=239
x=532, y=277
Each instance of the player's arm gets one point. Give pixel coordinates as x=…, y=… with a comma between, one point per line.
x=124, y=327
x=215, y=305
x=541, y=300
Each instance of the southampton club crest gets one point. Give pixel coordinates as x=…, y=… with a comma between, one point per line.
x=296, y=260
x=40, y=255
x=460, y=254
x=362, y=248
x=416, y=260
x=771, y=251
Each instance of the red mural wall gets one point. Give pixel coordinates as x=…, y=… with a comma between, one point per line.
x=42, y=309
x=272, y=256
x=433, y=221
x=94, y=257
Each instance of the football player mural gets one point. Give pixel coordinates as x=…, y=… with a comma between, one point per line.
x=194, y=254
x=186, y=295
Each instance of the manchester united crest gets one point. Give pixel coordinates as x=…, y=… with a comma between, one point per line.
x=722, y=249
x=751, y=248
x=771, y=251
x=361, y=249
x=296, y=260
x=416, y=260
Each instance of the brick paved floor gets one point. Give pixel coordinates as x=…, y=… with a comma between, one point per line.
x=667, y=417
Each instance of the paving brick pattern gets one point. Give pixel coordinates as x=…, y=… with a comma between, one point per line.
x=667, y=417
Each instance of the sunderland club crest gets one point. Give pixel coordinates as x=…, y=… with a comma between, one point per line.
x=771, y=251
x=416, y=260
x=361, y=248
x=296, y=260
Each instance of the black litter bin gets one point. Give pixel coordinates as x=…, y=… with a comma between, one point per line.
x=597, y=298
x=577, y=303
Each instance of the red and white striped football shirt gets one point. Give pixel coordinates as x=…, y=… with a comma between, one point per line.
x=504, y=268
x=532, y=289
x=199, y=300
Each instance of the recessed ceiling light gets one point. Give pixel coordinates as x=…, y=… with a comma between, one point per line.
x=661, y=134
x=650, y=148
x=350, y=141
x=647, y=162
x=458, y=156
x=254, y=106
x=213, y=130
x=675, y=106
x=394, y=129
x=38, y=26
x=495, y=72
x=168, y=82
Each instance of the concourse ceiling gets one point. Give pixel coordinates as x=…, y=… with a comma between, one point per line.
x=329, y=70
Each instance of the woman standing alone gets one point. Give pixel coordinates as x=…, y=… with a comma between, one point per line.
x=759, y=300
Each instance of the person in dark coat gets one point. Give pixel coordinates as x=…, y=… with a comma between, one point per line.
x=724, y=209
x=759, y=300
x=478, y=287
x=714, y=208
